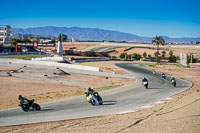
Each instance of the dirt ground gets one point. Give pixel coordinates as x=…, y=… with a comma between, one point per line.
x=129, y=50
x=176, y=51
x=47, y=84
x=181, y=114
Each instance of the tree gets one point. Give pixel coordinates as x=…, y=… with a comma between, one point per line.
x=123, y=55
x=26, y=40
x=158, y=40
x=136, y=56
x=149, y=56
x=163, y=53
x=171, y=53
x=144, y=54
x=156, y=55
x=15, y=41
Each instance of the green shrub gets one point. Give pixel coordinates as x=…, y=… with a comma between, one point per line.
x=113, y=57
x=89, y=53
x=172, y=59
x=123, y=55
x=136, y=55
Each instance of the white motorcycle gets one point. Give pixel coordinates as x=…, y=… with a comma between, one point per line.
x=145, y=83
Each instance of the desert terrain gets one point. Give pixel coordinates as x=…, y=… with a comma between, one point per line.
x=180, y=114
x=46, y=84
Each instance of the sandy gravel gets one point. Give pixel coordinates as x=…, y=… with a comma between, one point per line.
x=47, y=84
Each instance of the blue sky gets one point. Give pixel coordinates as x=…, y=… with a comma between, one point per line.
x=173, y=18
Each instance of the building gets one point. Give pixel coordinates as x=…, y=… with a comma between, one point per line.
x=73, y=39
x=5, y=36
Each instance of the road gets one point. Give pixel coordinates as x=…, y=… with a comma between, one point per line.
x=118, y=100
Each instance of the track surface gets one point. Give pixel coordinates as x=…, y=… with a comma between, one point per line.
x=119, y=100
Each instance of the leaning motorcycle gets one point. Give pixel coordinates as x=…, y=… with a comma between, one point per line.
x=94, y=99
x=145, y=83
x=163, y=76
x=173, y=82
x=29, y=106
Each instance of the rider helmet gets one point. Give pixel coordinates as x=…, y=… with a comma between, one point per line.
x=89, y=89
x=20, y=97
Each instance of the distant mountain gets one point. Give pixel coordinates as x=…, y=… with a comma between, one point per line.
x=94, y=34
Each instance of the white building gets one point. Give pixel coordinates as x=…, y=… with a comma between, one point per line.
x=5, y=36
x=73, y=39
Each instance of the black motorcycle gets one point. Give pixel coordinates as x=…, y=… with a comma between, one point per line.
x=29, y=106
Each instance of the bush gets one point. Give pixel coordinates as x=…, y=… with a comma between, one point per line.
x=89, y=53
x=136, y=56
x=149, y=56
x=194, y=60
x=123, y=55
x=172, y=58
x=145, y=54
x=171, y=53
x=113, y=57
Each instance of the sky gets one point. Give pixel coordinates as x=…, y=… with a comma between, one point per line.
x=173, y=18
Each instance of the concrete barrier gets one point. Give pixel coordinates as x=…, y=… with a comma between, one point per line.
x=48, y=63
x=90, y=60
x=49, y=58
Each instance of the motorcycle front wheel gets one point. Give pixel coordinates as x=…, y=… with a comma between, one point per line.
x=24, y=108
x=93, y=102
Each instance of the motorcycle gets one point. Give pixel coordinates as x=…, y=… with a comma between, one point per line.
x=145, y=83
x=94, y=98
x=29, y=106
x=163, y=76
x=173, y=82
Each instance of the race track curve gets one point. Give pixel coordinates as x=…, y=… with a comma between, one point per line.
x=118, y=100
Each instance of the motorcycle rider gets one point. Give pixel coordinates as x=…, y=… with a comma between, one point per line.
x=25, y=101
x=145, y=80
x=90, y=91
x=172, y=78
x=163, y=75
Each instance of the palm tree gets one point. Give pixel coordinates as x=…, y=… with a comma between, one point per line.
x=158, y=40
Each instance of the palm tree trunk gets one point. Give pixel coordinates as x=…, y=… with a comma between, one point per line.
x=157, y=53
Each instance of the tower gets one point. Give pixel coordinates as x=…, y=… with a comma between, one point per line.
x=60, y=48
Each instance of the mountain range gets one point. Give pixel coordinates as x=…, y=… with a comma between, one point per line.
x=92, y=34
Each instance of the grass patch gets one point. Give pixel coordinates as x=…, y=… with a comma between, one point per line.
x=152, y=65
x=143, y=64
x=182, y=66
x=161, y=63
x=20, y=57
x=105, y=87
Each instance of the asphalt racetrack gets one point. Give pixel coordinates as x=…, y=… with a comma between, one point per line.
x=119, y=100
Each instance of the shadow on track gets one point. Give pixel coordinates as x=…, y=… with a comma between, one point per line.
x=46, y=110
x=109, y=102
x=154, y=88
